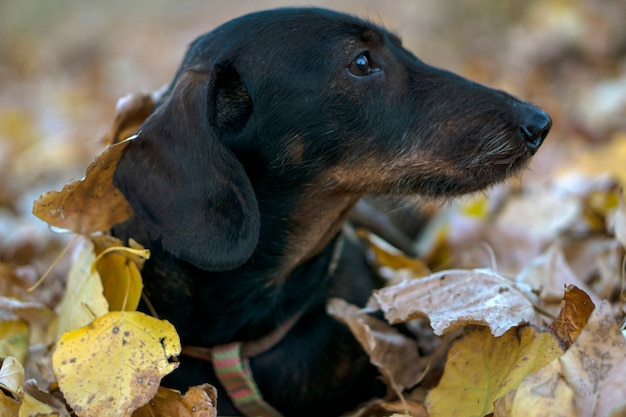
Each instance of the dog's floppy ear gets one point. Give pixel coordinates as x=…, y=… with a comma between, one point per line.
x=182, y=181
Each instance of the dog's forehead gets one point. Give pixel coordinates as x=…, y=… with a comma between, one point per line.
x=273, y=36
x=305, y=27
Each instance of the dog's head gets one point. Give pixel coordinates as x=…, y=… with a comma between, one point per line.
x=281, y=99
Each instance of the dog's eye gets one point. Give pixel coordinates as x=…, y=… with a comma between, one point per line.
x=361, y=65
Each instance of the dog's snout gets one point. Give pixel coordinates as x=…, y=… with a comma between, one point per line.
x=535, y=129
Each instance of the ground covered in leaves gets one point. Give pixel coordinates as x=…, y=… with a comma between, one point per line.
x=516, y=298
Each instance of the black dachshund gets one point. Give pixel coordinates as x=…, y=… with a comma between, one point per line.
x=275, y=125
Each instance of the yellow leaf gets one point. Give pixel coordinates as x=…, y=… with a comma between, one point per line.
x=137, y=350
x=119, y=272
x=121, y=280
x=83, y=300
x=38, y=403
x=481, y=368
x=477, y=207
x=390, y=262
x=14, y=339
x=89, y=205
x=32, y=407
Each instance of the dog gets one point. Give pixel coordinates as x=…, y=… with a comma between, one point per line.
x=243, y=175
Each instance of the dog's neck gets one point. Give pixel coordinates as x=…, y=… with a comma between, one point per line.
x=303, y=222
x=311, y=228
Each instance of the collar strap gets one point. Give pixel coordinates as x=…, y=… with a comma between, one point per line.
x=232, y=368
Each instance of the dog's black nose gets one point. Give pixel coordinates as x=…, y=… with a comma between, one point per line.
x=535, y=129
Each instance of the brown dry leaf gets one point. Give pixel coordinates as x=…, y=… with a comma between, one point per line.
x=138, y=350
x=575, y=311
x=589, y=380
x=131, y=111
x=481, y=368
x=456, y=298
x=11, y=285
x=384, y=345
x=89, y=205
x=83, y=300
x=198, y=401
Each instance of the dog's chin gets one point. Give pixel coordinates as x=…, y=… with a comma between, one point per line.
x=470, y=180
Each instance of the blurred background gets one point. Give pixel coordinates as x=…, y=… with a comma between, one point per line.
x=64, y=63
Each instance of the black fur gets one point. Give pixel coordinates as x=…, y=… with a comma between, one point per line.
x=275, y=125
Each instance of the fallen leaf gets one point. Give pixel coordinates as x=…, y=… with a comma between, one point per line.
x=31, y=311
x=482, y=368
x=589, y=380
x=549, y=273
x=11, y=284
x=608, y=158
x=131, y=111
x=595, y=365
x=198, y=401
x=83, y=300
x=53, y=403
x=32, y=407
x=138, y=351
x=14, y=339
x=457, y=298
x=575, y=311
x=12, y=378
x=8, y=406
x=388, y=261
x=620, y=220
x=537, y=394
x=201, y=400
x=90, y=205
x=383, y=344
x=382, y=408
x=118, y=268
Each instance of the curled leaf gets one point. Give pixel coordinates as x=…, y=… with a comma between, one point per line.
x=577, y=307
x=90, y=205
x=383, y=344
x=456, y=298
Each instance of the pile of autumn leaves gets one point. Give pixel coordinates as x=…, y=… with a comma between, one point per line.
x=545, y=342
